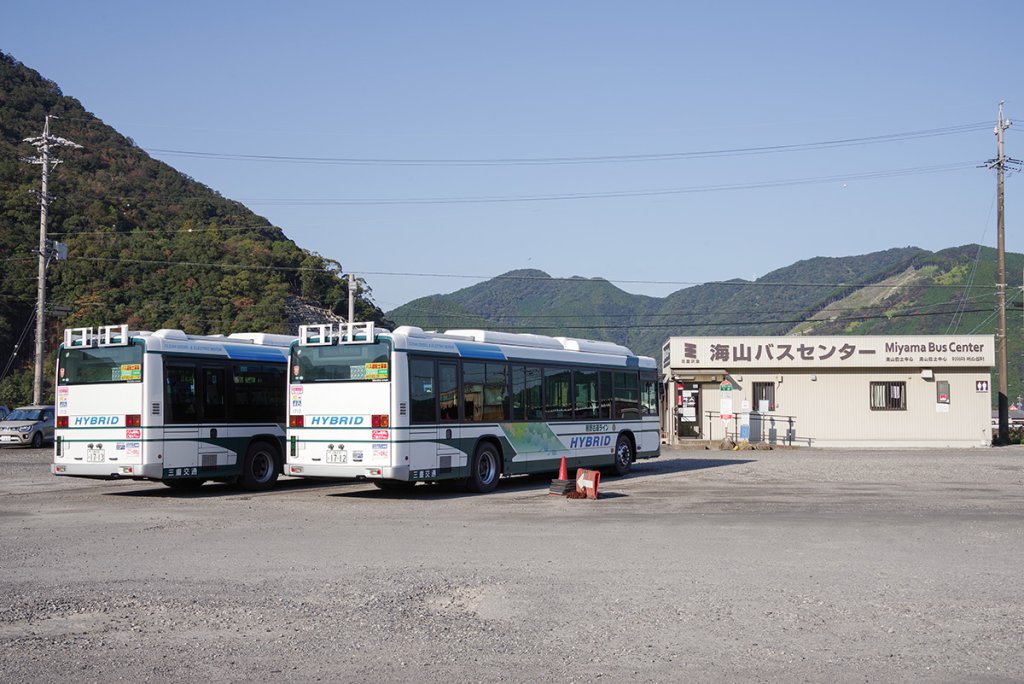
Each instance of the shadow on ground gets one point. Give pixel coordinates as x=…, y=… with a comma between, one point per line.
x=442, y=490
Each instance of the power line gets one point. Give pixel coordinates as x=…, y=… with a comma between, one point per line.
x=362, y=272
x=600, y=159
x=954, y=323
x=718, y=312
x=444, y=319
x=164, y=231
x=814, y=180
x=661, y=326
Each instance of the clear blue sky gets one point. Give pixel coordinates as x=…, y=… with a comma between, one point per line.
x=486, y=80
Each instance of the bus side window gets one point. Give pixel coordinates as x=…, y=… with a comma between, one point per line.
x=448, y=390
x=534, y=383
x=214, y=395
x=422, y=391
x=180, y=394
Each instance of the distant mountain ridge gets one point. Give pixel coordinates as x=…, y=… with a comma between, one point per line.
x=904, y=291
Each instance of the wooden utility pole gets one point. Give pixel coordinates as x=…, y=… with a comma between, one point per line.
x=999, y=164
x=46, y=249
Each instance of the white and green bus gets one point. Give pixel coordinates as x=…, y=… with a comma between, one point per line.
x=180, y=409
x=410, y=406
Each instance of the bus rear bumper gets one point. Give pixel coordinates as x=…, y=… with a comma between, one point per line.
x=108, y=471
x=356, y=471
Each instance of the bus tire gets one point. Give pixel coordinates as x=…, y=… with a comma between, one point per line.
x=484, y=469
x=185, y=484
x=623, y=455
x=259, y=468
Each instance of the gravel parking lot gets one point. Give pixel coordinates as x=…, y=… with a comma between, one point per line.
x=702, y=565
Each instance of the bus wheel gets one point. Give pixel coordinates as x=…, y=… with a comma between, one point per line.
x=484, y=469
x=259, y=470
x=184, y=484
x=623, y=455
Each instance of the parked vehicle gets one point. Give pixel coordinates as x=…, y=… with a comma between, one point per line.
x=27, y=425
x=4, y=411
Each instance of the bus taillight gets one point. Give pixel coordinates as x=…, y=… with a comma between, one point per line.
x=133, y=421
x=381, y=420
x=296, y=421
x=62, y=421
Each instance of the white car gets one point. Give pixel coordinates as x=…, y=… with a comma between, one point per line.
x=27, y=425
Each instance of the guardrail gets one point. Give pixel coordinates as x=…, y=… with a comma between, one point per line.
x=766, y=426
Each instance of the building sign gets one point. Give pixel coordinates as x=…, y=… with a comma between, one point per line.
x=832, y=352
x=725, y=410
x=686, y=402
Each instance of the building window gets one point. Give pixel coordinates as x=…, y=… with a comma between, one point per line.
x=888, y=396
x=764, y=392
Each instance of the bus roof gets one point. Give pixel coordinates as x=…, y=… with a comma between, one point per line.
x=486, y=344
x=244, y=346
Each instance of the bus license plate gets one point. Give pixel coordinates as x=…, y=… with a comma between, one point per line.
x=94, y=455
x=337, y=456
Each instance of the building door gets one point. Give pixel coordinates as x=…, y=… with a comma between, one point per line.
x=688, y=410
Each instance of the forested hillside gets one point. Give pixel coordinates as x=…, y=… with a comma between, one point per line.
x=147, y=245
x=898, y=291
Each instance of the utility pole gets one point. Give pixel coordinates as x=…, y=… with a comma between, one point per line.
x=46, y=249
x=999, y=164
x=351, y=304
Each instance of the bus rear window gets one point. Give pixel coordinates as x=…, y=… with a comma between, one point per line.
x=341, y=363
x=100, y=365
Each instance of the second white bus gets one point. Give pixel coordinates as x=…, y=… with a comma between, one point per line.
x=411, y=406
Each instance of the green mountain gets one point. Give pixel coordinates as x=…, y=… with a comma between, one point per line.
x=904, y=291
x=146, y=244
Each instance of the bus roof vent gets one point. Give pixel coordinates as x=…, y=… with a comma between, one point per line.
x=266, y=339
x=410, y=331
x=594, y=346
x=170, y=334
x=518, y=339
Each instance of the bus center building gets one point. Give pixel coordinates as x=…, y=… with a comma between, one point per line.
x=836, y=391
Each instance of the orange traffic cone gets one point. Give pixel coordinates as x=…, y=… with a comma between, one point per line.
x=563, y=485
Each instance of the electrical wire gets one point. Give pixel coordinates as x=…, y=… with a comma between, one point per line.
x=600, y=159
x=163, y=231
x=661, y=326
x=954, y=323
x=546, y=278
x=615, y=194
x=17, y=347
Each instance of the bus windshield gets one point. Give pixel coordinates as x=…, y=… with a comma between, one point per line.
x=341, y=363
x=100, y=365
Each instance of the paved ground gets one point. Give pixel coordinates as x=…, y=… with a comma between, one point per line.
x=704, y=566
